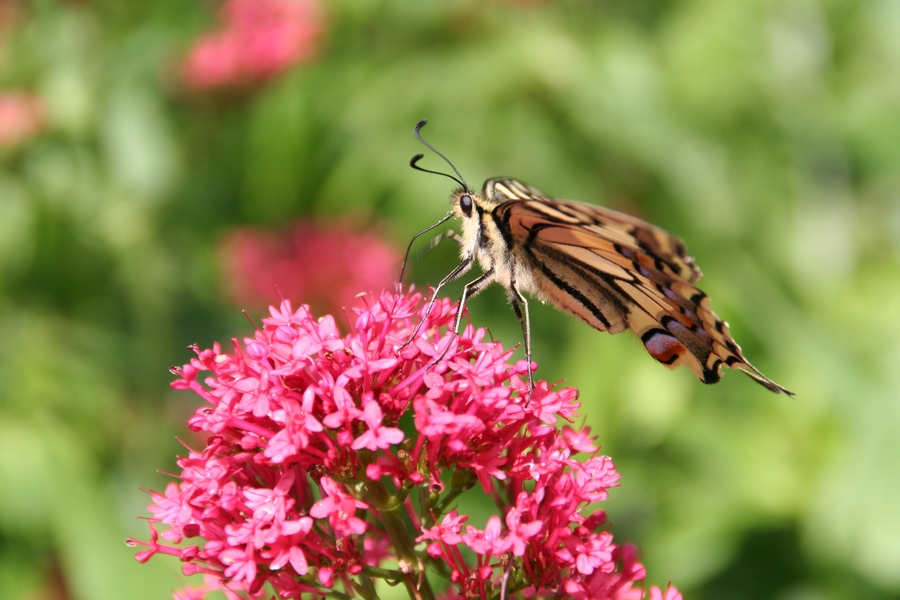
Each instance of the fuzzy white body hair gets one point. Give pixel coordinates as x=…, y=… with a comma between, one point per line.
x=482, y=238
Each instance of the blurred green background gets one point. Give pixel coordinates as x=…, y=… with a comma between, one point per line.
x=765, y=133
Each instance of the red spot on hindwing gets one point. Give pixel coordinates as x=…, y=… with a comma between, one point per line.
x=663, y=347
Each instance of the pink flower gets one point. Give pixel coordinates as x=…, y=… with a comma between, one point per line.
x=326, y=450
x=21, y=117
x=376, y=437
x=339, y=508
x=448, y=532
x=670, y=594
x=258, y=40
x=326, y=265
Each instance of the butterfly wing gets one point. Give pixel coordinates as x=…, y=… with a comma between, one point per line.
x=606, y=223
x=615, y=271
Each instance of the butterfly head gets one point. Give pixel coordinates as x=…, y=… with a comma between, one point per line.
x=464, y=201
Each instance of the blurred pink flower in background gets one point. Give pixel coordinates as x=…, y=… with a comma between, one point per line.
x=21, y=117
x=258, y=39
x=326, y=266
x=10, y=11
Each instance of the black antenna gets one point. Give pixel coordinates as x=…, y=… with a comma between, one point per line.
x=418, y=157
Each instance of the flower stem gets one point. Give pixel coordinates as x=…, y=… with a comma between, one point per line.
x=397, y=526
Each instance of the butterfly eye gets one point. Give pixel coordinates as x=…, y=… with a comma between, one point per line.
x=465, y=205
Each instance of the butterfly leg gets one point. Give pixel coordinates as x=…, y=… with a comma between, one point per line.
x=520, y=305
x=470, y=289
x=456, y=273
x=436, y=240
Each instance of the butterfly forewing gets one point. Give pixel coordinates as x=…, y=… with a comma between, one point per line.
x=615, y=272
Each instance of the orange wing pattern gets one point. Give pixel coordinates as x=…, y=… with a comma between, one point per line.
x=617, y=272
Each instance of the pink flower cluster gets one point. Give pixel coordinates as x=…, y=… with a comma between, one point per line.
x=335, y=460
x=325, y=265
x=258, y=39
x=21, y=117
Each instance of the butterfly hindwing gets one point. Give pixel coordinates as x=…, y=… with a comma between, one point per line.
x=616, y=272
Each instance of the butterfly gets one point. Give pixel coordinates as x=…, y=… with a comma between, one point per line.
x=610, y=269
